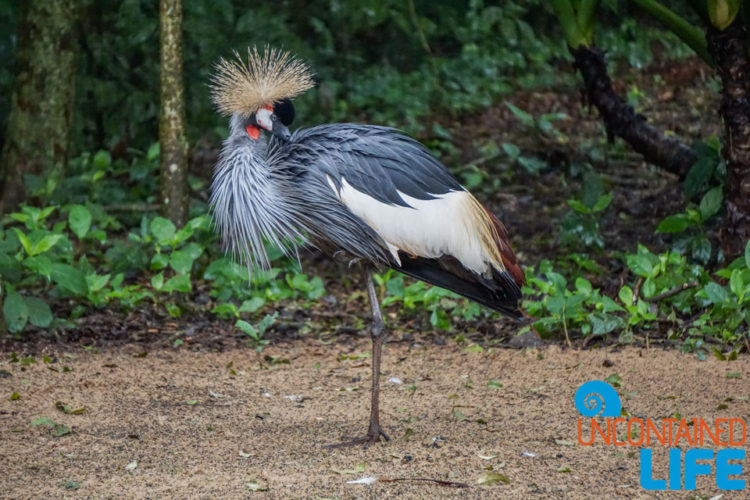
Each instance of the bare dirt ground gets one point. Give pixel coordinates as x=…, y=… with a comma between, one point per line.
x=177, y=423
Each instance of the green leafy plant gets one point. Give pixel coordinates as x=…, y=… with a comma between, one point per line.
x=691, y=226
x=581, y=226
x=255, y=333
x=441, y=304
x=666, y=288
x=45, y=258
x=560, y=308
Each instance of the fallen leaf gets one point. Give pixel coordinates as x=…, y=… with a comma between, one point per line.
x=132, y=465
x=62, y=407
x=58, y=429
x=490, y=478
x=255, y=486
x=42, y=421
x=359, y=469
x=70, y=485
x=67, y=409
x=614, y=380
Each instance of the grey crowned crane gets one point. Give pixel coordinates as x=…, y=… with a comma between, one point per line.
x=368, y=192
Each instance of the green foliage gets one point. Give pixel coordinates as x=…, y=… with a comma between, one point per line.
x=723, y=12
x=57, y=430
x=55, y=253
x=581, y=226
x=662, y=289
x=441, y=304
x=630, y=39
x=256, y=333
x=560, y=307
x=691, y=35
x=375, y=60
x=540, y=127
x=708, y=170
x=577, y=20
x=690, y=226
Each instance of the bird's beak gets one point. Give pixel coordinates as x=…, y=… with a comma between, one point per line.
x=268, y=120
x=281, y=131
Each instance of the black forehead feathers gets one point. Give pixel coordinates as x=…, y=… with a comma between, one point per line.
x=284, y=110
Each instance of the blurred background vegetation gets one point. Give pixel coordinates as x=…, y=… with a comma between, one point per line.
x=447, y=72
x=381, y=61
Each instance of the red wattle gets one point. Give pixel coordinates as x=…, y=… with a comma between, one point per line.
x=253, y=132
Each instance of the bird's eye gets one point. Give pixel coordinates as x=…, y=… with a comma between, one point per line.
x=284, y=110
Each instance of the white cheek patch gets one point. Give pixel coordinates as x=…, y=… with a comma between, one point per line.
x=263, y=117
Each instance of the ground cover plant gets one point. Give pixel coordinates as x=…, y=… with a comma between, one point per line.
x=90, y=241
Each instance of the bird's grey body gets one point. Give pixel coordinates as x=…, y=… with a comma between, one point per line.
x=280, y=190
x=368, y=191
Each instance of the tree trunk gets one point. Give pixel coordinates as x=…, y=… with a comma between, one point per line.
x=38, y=135
x=728, y=50
x=172, y=142
x=620, y=120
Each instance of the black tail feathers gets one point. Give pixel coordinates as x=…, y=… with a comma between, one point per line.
x=500, y=293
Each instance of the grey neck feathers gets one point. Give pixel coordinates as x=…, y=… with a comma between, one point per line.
x=248, y=200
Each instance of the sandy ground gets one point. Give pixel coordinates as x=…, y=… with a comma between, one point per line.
x=183, y=424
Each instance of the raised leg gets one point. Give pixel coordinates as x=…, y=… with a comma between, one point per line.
x=377, y=333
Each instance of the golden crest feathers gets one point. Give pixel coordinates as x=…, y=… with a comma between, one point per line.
x=240, y=87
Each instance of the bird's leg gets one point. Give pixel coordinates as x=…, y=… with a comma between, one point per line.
x=377, y=333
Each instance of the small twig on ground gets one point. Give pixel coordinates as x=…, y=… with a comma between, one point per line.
x=672, y=291
x=450, y=484
x=590, y=338
x=565, y=328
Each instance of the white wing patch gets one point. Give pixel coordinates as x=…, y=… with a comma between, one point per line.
x=446, y=225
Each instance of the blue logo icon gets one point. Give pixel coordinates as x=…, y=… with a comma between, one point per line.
x=597, y=399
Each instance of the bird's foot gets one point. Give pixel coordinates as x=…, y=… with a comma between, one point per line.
x=373, y=436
